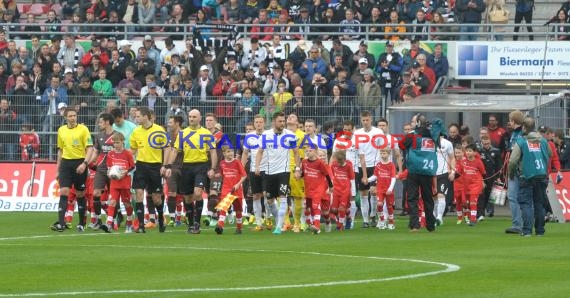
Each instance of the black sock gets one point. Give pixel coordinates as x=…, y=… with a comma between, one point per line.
x=198, y=212
x=150, y=206
x=160, y=209
x=81, y=208
x=171, y=206
x=97, y=205
x=189, y=212
x=62, y=209
x=139, y=206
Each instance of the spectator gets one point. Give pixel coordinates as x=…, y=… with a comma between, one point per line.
x=394, y=29
x=420, y=26
x=146, y=14
x=410, y=56
x=408, y=87
x=222, y=88
x=497, y=14
x=12, y=7
x=247, y=107
x=34, y=50
x=37, y=80
x=453, y=134
x=437, y=27
x=562, y=148
x=524, y=10
x=356, y=77
x=470, y=12
x=155, y=102
x=294, y=7
x=255, y=56
x=427, y=71
x=8, y=122
x=314, y=64
x=496, y=132
x=143, y=65
x=129, y=83
x=296, y=105
x=438, y=62
x=10, y=25
x=29, y=143
x=102, y=87
x=150, y=78
x=350, y=27
x=52, y=24
x=368, y=94
x=116, y=68
x=177, y=23
x=561, y=27
x=24, y=59
x=45, y=59
x=395, y=65
x=363, y=9
x=341, y=107
x=407, y=10
x=53, y=96
x=447, y=10
x=274, y=10
x=11, y=82
x=386, y=82
x=169, y=50
x=315, y=97
x=154, y=54
x=116, y=31
x=282, y=96
x=420, y=78
x=262, y=32
x=305, y=21
x=29, y=27
x=71, y=53
x=76, y=28
x=232, y=12
x=251, y=10
x=317, y=10
x=376, y=19
x=24, y=102
x=204, y=86
x=125, y=102
x=126, y=53
x=343, y=50
x=93, y=70
x=328, y=19
x=95, y=51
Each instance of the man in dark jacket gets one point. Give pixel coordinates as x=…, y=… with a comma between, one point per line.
x=470, y=12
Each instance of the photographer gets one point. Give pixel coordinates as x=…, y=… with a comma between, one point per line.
x=271, y=80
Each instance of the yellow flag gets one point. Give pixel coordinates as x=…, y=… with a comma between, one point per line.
x=226, y=202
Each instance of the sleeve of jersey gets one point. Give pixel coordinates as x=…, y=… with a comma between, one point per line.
x=87, y=137
x=59, y=141
x=133, y=141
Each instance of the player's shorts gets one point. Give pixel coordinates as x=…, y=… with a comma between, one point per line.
x=101, y=179
x=369, y=173
x=388, y=199
x=277, y=185
x=256, y=182
x=339, y=201
x=443, y=184
x=297, y=186
x=122, y=195
x=68, y=176
x=173, y=181
x=147, y=176
x=193, y=175
x=214, y=184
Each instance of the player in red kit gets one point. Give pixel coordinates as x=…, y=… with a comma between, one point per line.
x=385, y=176
x=233, y=175
x=120, y=189
x=461, y=207
x=316, y=176
x=343, y=175
x=473, y=173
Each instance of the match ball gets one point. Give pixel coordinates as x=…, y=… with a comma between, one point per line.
x=115, y=172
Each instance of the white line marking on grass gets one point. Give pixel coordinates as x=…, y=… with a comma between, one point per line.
x=448, y=268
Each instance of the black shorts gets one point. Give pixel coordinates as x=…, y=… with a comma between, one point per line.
x=369, y=173
x=101, y=179
x=277, y=185
x=214, y=184
x=147, y=176
x=193, y=175
x=256, y=182
x=443, y=184
x=174, y=180
x=68, y=176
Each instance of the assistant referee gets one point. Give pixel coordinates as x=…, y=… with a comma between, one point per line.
x=74, y=143
x=149, y=167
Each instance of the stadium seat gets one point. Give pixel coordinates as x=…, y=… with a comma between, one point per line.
x=23, y=8
x=58, y=9
x=38, y=9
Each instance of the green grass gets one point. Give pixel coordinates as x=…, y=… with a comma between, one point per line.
x=492, y=264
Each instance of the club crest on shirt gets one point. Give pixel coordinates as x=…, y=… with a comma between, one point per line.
x=533, y=147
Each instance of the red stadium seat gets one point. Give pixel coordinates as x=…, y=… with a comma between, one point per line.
x=38, y=9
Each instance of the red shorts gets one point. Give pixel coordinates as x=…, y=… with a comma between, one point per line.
x=238, y=205
x=123, y=194
x=384, y=198
x=339, y=201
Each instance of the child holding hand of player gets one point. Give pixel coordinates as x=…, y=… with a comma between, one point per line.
x=385, y=177
x=343, y=175
x=473, y=173
x=316, y=176
x=120, y=186
x=233, y=175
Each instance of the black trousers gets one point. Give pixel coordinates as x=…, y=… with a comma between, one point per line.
x=420, y=184
x=527, y=19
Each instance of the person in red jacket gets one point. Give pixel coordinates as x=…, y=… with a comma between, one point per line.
x=225, y=85
x=29, y=143
x=95, y=51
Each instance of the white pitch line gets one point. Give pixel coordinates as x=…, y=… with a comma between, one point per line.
x=448, y=268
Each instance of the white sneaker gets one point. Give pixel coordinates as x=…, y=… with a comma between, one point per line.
x=481, y=218
x=391, y=227
x=381, y=225
x=129, y=229
x=328, y=227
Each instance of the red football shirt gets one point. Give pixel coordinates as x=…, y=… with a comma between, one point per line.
x=384, y=174
x=314, y=175
x=125, y=160
x=342, y=176
x=232, y=172
x=458, y=183
x=473, y=173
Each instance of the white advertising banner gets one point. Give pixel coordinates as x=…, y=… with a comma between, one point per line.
x=512, y=60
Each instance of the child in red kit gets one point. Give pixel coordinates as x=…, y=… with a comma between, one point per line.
x=385, y=176
x=473, y=173
x=316, y=176
x=461, y=206
x=120, y=189
x=233, y=175
x=342, y=174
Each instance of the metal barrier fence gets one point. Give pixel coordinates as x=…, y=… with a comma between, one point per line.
x=445, y=31
x=29, y=115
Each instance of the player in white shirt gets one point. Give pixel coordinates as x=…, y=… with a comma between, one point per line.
x=251, y=145
x=369, y=155
x=445, y=175
x=276, y=143
x=346, y=142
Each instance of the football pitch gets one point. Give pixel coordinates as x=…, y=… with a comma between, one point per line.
x=454, y=261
